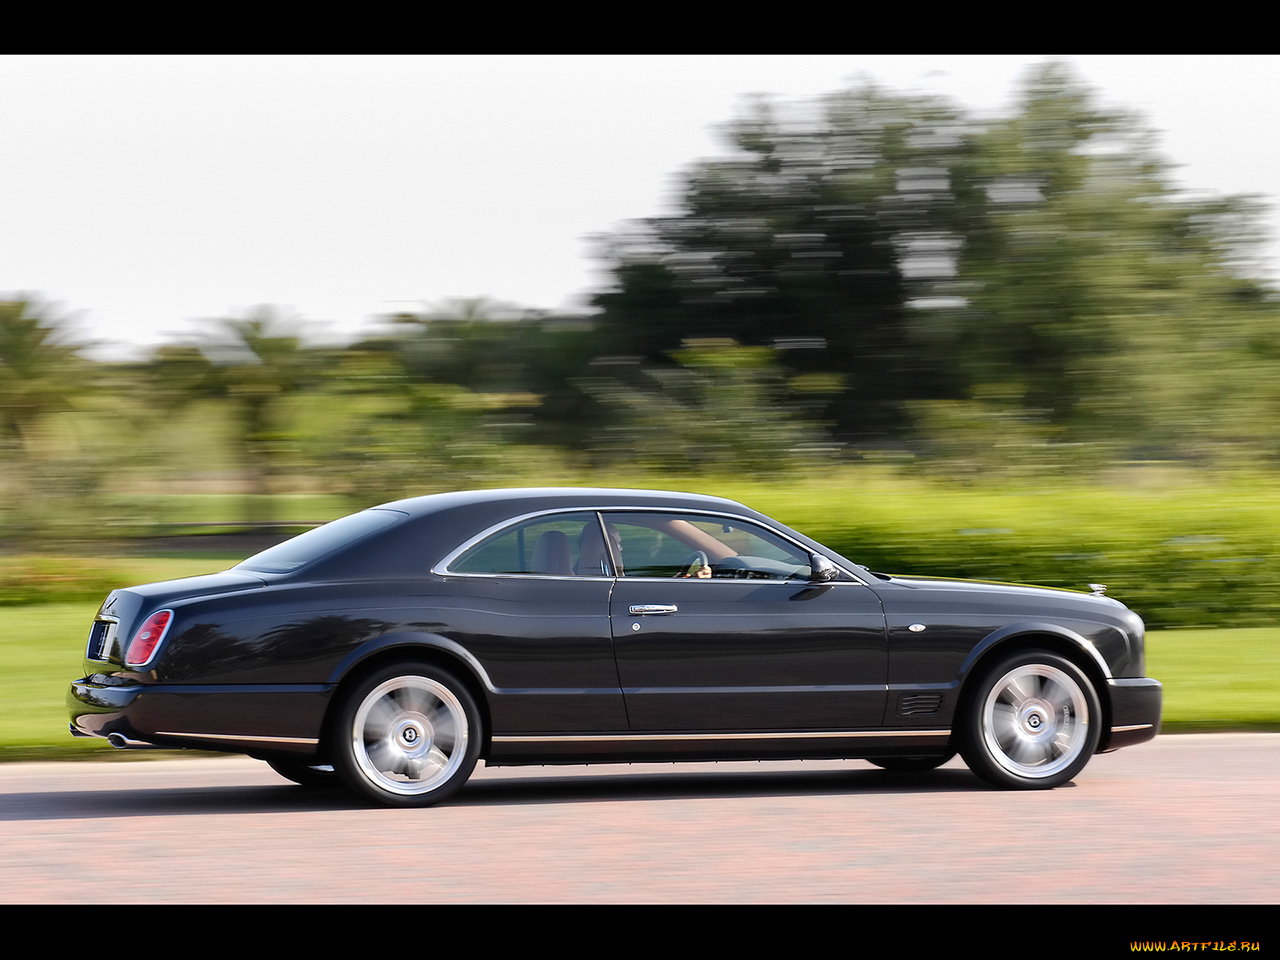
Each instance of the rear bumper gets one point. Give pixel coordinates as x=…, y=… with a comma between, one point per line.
x=237, y=719
x=1135, y=712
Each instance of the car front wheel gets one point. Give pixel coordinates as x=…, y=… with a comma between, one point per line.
x=408, y=735
x=1032, y=722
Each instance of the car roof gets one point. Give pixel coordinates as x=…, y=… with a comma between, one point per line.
x=518, y=499
x=438, y=524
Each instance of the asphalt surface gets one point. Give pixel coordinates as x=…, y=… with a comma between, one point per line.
x=1181, y=820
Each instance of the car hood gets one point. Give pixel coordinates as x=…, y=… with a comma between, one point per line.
x=994, y=588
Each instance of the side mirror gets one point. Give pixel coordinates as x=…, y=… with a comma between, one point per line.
x=821, y=569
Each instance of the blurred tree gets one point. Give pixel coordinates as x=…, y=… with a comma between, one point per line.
x=813, y=237
x=49, y=482
x=251, y=365
x=40, y=371
x=466, y=341
x=439, y=399
x=724, y=408
x=1038, y=269
x=1097, y=299
x=527, y=362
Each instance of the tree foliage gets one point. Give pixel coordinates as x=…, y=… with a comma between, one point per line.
x=251, y=365
x=1038, y=271
x=719, y=408
x=1106, y=304
x=39, y=371
x=800, y=240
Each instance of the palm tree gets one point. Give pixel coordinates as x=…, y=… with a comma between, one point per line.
x=37, y=371
x=251, y=364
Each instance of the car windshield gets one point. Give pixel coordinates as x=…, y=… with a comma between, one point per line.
x=320, y=542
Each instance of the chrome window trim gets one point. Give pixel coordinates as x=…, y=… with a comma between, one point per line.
x=441, y=569
x=529, y=576
x=742, y=580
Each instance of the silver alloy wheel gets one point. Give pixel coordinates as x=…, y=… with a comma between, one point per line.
x=1035, y=721
x=409, y=735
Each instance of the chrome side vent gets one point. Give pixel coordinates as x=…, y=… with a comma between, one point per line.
x=919, y=704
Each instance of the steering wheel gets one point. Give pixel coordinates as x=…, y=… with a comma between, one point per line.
x=690, y=565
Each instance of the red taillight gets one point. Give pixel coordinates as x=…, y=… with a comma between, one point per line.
x=144, y=643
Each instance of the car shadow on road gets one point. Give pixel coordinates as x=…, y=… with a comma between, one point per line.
x=534, y=786
x=554, y=787
x=169, y=801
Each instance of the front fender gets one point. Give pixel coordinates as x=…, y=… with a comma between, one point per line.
x=1013, y=632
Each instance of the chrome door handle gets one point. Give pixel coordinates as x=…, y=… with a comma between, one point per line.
x=641, y=609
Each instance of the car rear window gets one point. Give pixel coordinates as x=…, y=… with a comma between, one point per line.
x=321, y=542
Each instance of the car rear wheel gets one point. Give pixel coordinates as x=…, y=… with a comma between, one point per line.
x=408, y=735
x=1032, y=722
x=911, y=764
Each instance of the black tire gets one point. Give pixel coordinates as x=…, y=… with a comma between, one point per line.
x=1031, y=722
x=407, y=735
x=305, y=775
x=911, y=764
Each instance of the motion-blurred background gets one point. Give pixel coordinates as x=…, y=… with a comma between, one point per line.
x=1006, y=341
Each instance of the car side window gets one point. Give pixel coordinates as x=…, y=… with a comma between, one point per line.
x=700, y=547
x=562, y=545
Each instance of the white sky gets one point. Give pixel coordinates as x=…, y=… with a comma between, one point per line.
x=138, y=193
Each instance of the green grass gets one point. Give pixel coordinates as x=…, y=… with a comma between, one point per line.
x=42, y=646
x=1217, y=679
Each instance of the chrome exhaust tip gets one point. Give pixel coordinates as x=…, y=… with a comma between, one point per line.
x=121, y=742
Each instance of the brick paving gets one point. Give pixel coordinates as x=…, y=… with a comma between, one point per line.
x=1186, y=819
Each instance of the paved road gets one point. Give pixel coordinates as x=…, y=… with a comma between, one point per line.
x=1185, y=819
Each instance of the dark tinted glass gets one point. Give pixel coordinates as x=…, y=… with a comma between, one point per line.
x=547, y=546
x=320, y=542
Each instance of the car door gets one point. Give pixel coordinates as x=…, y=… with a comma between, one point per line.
x=716, y=626
x=531, y=600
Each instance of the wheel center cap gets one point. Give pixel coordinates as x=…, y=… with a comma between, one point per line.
x=1037, y=720
x=413, y=735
